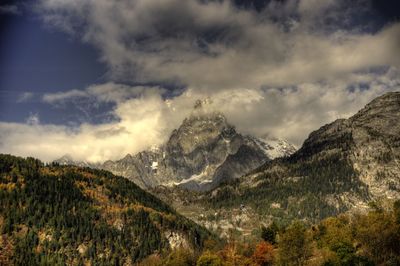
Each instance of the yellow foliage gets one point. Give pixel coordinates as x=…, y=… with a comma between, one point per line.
x=7, y=186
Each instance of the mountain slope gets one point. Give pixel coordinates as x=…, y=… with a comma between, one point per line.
x=203, y=152
x=341, y=166
x=69, y=215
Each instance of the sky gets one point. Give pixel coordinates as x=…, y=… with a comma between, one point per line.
x=98, y=79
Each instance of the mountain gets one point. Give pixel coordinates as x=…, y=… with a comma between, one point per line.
x=341, y=166
x=68, y=160
x=68, y=215
x=203, y=152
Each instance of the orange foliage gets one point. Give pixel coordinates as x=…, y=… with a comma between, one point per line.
x=232, y=256
x=263, y=254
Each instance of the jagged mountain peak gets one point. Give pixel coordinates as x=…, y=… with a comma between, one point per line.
x=201, y=130
x=202, y=152
x=202, y=103
x=214, y=118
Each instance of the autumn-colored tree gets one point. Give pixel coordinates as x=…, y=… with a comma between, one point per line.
x=229, y=253
x=152, y=260
x=379, y=235
x=212, y=244
x=209, y=259
x=333, y=231
x=234, y=254
x=263, y=254
x=294, y=245
x=180, y=257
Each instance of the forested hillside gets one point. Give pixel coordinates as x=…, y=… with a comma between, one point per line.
x=56, y=215
x=341, y=166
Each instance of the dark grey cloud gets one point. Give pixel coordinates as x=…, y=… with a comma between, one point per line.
x=10, y=9
x=217, y=45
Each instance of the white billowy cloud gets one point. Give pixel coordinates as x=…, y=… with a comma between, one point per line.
x=140, y=123
x=283, y=71
x=147, y=118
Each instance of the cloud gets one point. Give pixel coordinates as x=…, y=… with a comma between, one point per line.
x=63, y=96
x=33, y=120
x=140, y=124
x=148, y=118
x=24, y=97
x=107, y=92
x=10, y=9
x=215, y=45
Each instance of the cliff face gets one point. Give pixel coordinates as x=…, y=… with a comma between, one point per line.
x=376, y=152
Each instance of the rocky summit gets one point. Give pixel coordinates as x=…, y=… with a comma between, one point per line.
x=202, y=153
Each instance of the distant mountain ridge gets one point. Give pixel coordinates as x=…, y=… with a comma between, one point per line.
x=67, y=159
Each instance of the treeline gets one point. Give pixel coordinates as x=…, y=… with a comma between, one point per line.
x=64, y=215
x=351, y=240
